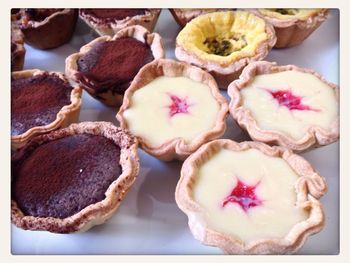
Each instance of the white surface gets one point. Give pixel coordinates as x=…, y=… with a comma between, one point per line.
x=148, y=220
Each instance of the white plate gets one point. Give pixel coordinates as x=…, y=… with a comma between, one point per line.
x=148, y=220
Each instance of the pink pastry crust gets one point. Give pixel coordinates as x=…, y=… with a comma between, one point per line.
x=225, y=73
x=17, y=38
x=137, y=32
x=293, y=31
x=67, y=115
x=314, y=137
x=99, y=212
x=53, y=31
x=148, y=21
x=309, y=187
x=182, y=17
x=176, y=148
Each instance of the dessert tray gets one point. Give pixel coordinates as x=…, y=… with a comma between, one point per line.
x=148, y=220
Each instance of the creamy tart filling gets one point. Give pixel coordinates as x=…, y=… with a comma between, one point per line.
x=290, y=102
x=288, y=13
x=248, y=195
x=171, y=107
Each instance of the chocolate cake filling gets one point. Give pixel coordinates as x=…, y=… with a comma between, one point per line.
x=112, y=65
x=39, y=14
x=112, y=14
x=61, y=177
x=35, y=101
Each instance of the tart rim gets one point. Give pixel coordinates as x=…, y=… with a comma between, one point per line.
x=176, y=147
x=62, y=115
x=310, y=186
x=95, y=213
x=314, y=136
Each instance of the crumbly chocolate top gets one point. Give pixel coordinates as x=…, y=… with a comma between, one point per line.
x=113, y=14
x=112, y=65
x=39, y=14
x=61, y=177
x=35, y=101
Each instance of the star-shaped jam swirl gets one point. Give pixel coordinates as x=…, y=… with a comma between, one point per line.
x=178, y=105
x=244, y=195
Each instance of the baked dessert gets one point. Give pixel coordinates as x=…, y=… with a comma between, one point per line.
x=285, y=105
x=110, y=21
x=250, y=198
x=184, y=15
x=17, y=45
x=106, y=66
x=41, y=101
x=46, y=28
x=173, y=108
x=72, y=179
x=223, y=43
x=293, y=25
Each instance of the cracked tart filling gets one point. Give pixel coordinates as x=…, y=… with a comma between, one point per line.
x=110, y=15
x=289, y=13
x=171, y=107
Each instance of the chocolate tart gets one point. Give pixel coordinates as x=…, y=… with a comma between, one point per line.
x=72, y=179
x=223, y=43
x=17, y=45
x=110, y=21
x=173, y=108
x=41, y=101
x=250, y=198
x=45, y=28
x=293, y=25
x=285, y=105
x=106, y=66
x=184, y=15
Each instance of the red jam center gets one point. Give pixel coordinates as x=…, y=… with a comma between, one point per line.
x=288, y=99
x=243, y=195
x=178, y=105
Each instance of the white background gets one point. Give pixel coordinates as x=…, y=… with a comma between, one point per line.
x=148, y=220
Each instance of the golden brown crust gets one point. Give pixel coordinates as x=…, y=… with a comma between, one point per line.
x=308, y=187
x=154, y=40
x=96, y=213
x=225, y=73
x=293, y=31
x=53, y=31
x=176, y=148
x=67, y=115
x=183, y=16
x=314, y=137
x=148, y=21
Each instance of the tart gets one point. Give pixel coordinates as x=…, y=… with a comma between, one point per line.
x=46, y=28
x=72, y=179
x=184, y=15
x=41, y=101
x=293, y=25
x=250, y=198
x=106, y=66
x=17, y=45
x=110, y=21
x=173, y=108
x=223, y=43
x=285, y=105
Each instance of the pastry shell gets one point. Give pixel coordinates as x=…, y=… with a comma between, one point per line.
x=148, y=21
x=183, y=16
x=224, y=73
x=67, y=115
x=314, y=137
x=309, y=187
x=293, y=31
x=176, y=148
x=17, y=38
x=137, y=32
x=96, y=213
x=54, y=31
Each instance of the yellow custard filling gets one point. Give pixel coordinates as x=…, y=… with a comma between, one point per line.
x=223, y=37
x=288, y=13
